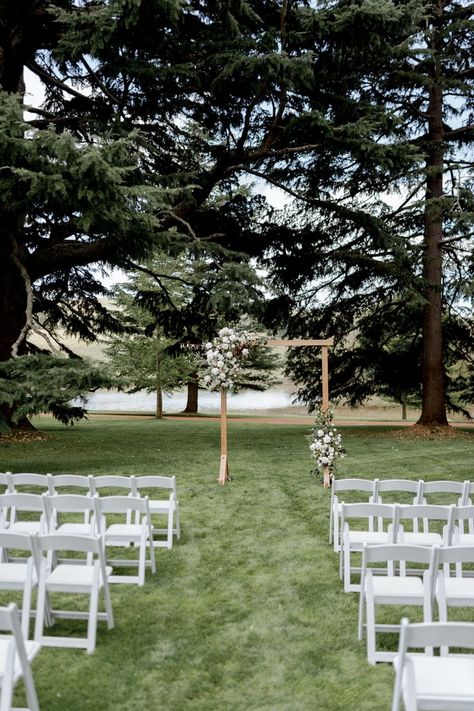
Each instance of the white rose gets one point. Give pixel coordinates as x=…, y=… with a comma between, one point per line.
x=327, y=438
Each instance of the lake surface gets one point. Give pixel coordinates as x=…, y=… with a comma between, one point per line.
x=113, y=401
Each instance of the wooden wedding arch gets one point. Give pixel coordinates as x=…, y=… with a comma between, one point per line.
x=324, y=344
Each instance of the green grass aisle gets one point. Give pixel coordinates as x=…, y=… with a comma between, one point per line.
x=247, y=611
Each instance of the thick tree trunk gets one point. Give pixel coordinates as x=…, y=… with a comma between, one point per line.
x=433, y=409
x=159, y=392
x=13, y=301
x=404, y=407
x=192, y=401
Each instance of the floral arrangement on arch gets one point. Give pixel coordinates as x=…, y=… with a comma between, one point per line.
x=225, y=356
x=325, y=442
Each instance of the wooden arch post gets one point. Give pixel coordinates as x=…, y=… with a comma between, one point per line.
x=324, y=344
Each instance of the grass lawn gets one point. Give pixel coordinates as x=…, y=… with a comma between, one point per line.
x=247, y=611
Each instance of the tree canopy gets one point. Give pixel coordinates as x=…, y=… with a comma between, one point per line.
x=338, y=103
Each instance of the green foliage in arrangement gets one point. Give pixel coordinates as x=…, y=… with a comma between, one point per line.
x=247, y=611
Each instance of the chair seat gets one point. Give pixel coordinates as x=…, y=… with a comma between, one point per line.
x=75, y=529
x=466, y=539
x=15, y=573
x=422, y=539
x=391, y=586
x=358, y=538
x=161, y=505
x=458, y=588
x=67, y=576
x=31, y=648
x=436, y=677
x=30, y=527
x=124, y=530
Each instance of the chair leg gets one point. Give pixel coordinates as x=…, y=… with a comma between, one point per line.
x=346, y=555
x=41, y=603
x=371, y=634
x=142, y=557
x=6, y=697
x=30, y=690
x=170, y=529
x=108, y=606
x=178, y=525
x=360, y=627
x=93, y=610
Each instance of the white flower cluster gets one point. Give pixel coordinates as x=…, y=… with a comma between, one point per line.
x=325, y=442
x=224, y=357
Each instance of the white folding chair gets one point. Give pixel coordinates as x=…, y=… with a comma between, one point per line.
x=393, y=589
x=16, y=654
x=353, y=539
x=430, y=514
x=429, y=683
x=42, y=483
x=168, y=507
x=457, y=590
x=21, y=576
x=88, y=579
x=359, y=486
x=462, y=516
x=31, y=504
x=122, y=534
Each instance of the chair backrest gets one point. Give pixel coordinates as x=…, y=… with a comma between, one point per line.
x=370, y=511
x=22, y=502
x=111, y=482
x=9, y=540
x=154, y=482
x=5, y=479
x=462, y=515
x=60, y=542
x=429, y=512
x=121, y=504
x=30, y=479
x=366, y=485
x=458, y=489
x=456, y=554
x=399, y=486
x=400, y=552
x=73, y=481
x=436, y=634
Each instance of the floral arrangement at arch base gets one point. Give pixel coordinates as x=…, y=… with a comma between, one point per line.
x=325, y=443
x=225, y=356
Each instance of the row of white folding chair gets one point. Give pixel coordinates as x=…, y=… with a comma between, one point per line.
x=377, y=488
x=16, y=655
x=50, y=574
x=132, y=485
x=137, y=529
x=434, y=683
x=434, y=584
x=394, y=531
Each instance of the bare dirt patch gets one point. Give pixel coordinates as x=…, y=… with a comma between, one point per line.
x=429, y=432
x=20, y=435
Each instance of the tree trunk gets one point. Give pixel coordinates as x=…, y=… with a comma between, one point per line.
x=404, y=406
x=159, y=392
x=433, y=408
x=192, y=402
x=12, y=307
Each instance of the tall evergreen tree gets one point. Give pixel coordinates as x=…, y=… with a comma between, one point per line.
x=402, y=221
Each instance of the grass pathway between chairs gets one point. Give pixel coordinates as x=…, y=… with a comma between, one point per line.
x=247, y=611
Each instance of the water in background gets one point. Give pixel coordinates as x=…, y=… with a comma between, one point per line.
x=112, y=401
